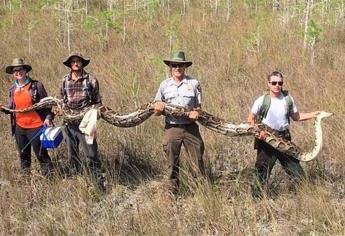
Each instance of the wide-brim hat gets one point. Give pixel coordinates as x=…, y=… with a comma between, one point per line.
x=178, y=58
x=85, y=61
x=16, y=63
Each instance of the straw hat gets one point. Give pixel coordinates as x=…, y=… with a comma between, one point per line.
x=16, y=63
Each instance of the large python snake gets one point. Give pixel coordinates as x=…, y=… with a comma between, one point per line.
x=206, y=119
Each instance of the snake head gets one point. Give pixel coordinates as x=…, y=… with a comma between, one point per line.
x=324, y=114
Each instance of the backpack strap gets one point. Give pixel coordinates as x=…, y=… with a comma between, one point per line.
x=11, y=92
x=267, y=102
x=265, y=106
x=34, y=91
x=289, y=104
x=88, y=87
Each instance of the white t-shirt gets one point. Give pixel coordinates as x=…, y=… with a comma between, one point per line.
x=277, y=113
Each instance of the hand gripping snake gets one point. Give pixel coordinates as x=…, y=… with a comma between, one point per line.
x=206, y=119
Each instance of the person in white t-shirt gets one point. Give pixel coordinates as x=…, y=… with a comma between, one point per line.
x=276, y=115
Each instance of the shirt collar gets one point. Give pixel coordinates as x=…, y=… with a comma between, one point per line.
x=21, y=86
x=83, y=76
x=172, y=81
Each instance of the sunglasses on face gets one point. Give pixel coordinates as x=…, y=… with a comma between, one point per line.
x=177, y=65
x=75, y=61
x=280, y=83
x=17, y=70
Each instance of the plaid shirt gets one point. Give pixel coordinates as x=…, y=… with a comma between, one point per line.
x=81, y=93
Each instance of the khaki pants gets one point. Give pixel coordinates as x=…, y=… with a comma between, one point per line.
x=189, y=136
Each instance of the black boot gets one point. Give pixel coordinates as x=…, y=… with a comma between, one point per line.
x=47, y=169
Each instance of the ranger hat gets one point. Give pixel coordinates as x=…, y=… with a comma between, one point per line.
x=85, y=61
x=16, y=63
x=178, y=58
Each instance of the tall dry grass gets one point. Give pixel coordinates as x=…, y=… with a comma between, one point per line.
x=231, y=60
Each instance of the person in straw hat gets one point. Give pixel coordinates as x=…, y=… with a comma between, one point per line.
x=183, y=90
x=80, y=90
x=26, y=127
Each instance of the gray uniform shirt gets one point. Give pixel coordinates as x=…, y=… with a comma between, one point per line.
x=186, y=94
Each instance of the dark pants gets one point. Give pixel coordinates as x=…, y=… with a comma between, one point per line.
x=74, y=137
x=266, y=158
x=23, y=138
x=189, y=136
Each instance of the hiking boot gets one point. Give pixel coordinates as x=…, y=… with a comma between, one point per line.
x=46, y=169
x=101, y=185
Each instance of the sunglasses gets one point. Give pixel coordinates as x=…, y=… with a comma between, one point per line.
x=17, y=70
x=177, y=65
x=280, y=83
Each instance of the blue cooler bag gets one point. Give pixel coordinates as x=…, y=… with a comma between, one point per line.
x=51, y=137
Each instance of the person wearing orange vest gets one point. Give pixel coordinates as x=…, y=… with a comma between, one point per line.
x=26, y=127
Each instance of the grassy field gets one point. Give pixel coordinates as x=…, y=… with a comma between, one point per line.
x=232, y=49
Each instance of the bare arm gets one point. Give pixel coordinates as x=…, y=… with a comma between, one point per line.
x=158, y=108
x=194, y=115
x=159, y=104
x=251, y=118
x=299, y=116
x=1, y=109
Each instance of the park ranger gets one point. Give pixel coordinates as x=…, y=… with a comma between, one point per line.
x=182, y=90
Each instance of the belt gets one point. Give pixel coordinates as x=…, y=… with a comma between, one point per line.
x=168, y=125
x=281, y=132
x=285, y=134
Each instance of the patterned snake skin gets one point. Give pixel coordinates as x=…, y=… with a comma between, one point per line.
x=206, y=119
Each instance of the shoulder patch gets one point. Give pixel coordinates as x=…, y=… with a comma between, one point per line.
x=189, y=87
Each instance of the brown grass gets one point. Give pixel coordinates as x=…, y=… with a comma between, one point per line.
x=231, y=60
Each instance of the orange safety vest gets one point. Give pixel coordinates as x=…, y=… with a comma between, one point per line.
x=22, y=99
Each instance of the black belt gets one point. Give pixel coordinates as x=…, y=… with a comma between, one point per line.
x=168, y=125
x=285, y=134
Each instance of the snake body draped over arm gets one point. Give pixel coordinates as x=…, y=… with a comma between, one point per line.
x=206, y=119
